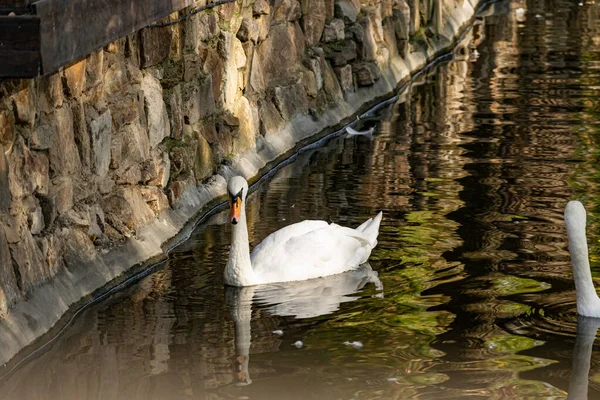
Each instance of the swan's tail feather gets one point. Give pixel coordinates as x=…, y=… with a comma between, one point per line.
x=370, y=228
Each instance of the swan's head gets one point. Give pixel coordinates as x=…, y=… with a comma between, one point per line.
x=237, y=189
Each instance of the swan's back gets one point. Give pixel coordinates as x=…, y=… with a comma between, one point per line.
x=313, y=249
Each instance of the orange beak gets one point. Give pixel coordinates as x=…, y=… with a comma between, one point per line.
x=235, y=209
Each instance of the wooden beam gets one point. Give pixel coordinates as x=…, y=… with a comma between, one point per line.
x=19, y=46
x=72, y=29
x=14, y=3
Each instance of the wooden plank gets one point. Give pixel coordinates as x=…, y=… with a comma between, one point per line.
x=72, y=29
x=19, y=46
x=14, y=3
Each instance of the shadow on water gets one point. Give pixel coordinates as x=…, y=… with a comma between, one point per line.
x=472, y=167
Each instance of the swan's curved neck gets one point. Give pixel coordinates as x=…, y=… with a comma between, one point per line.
x=588, y=302
x=238, y=271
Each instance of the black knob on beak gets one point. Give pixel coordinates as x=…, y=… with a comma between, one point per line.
x=234, y=221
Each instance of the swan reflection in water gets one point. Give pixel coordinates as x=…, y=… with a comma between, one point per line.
x=300, y=299
x=587, y=327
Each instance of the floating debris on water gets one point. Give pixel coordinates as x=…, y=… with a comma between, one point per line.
x=278, y=332
x=392, y=379
x=299, y=344
x=356, y=345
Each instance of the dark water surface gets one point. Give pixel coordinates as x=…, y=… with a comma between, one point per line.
x=473, y=296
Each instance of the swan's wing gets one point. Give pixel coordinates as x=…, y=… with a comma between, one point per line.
x=278, y=238
x=325, y=251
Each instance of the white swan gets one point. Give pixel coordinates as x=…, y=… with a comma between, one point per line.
x=305, y=250
x=588, y=303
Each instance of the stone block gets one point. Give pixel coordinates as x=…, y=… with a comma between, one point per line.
x=80, y=133
x=346, y=10
x=101, y=134
x=291, y=100
x=24, y=101
x=248, y=31
x=329, y=9
x=64, y=156
x=278, y=55
x=116, y=151
x=156, y=110
x=51, y=248
x=28, y=258
x=345, y=78
x=5, y=196
x=142, y=214
x=62, y=191
x=74, y=78
x=286, y=11
x=94, y=72
x=341, y=53
x=314, y=14
x=7, y=130
x=155, y=198
x=271, y=119
x=203, y=164
x=331, y=84
x=334, y=31
x=175, y=111
x=213, y=66
x=163, y=171
x=355, y=32
x=49, y=92
x=9, y=289
x=261, y=7
x=85, y=188
x=197, y=100
x=247, y=115
x=125, y=111
x=231, y=49
x=129, y=175
x=176, y=190
x=36, y=221
x=28, y=171
x=310, y=84
x=366, y=73
x=115, y=77
x=155, y=45
x=135, y=143
x=201, y=28
x=264, y=26
x=42, y=135
x=316, y=68
x=49, y=210
x=401, y=20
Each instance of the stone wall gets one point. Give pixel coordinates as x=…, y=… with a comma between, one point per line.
x=104, y=162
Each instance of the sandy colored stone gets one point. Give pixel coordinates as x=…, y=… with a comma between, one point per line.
x=62, y=191
x=24, y=102
x=156, y=110
x=9, y=290
x=314, y=14
x=100, y=132
x=334, y=31
x=291, y=100
x=74, y=76
x=64, y=157
x=7, y=130
x=155, y=198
